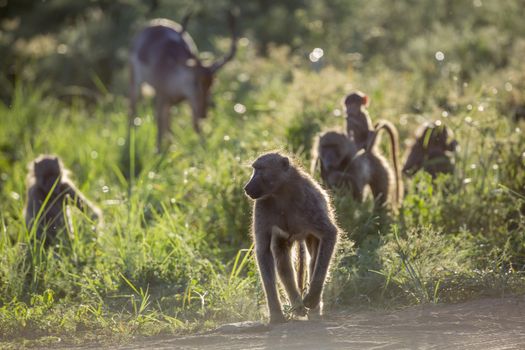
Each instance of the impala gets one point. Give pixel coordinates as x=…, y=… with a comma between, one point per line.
x=165, y=56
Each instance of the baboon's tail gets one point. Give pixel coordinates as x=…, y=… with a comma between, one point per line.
x=301, y=266
x=394, y=143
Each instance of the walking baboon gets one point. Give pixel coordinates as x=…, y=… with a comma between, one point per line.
x=358, y=122
x=290, y=206
x=343, y=164
x=49, y=191
x=432, y=149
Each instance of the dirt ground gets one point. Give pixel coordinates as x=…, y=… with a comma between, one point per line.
x=480, y=324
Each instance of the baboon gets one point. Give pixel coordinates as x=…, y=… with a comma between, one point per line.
x=432, y=149
x=358, y=122
x=49, y=191
x=333, y=152
x=290, y=207
x=343, y=164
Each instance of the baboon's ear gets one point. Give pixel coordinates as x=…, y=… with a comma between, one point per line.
x=285, y=163
x=366, y=101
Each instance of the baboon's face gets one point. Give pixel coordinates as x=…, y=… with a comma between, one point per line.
x=47, y=172
x=352, y=110
x=269, y=174
x=333, y=148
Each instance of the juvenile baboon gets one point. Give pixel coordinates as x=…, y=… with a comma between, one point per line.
x=432, y=149
x=290, y=206
x=49, y=191
x=358, y=122
x=343, y=164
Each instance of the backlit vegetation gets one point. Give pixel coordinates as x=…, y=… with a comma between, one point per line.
x=175, y=252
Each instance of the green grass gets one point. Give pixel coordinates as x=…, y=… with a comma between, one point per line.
x=174, y=254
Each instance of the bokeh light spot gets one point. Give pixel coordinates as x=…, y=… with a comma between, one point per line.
x=239, y=108
x=316, y=54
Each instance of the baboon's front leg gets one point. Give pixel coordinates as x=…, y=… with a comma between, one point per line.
x=267, y=271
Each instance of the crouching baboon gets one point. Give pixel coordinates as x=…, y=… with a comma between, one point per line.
x=343, y=164
x=290, y=206
x=49, y=191
x=333, y=152
x=432, y=149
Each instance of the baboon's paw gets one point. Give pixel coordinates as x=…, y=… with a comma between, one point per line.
x=311, y=301
x=299, y=309
x=316, y=313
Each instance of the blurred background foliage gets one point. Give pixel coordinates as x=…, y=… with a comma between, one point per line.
x=81, y=47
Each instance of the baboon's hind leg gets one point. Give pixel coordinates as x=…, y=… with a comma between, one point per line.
x=281, y=251
x=312, y=244
x=327, y=236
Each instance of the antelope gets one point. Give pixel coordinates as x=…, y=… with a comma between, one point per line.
x=165, y=56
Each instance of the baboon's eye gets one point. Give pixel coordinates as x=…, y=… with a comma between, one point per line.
x=266, y=177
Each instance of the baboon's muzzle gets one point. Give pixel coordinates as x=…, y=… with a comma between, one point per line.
x=252, y=191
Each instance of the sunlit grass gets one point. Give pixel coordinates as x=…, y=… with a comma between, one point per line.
x=175, y=251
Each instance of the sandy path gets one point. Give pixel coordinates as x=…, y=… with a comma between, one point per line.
x=481, y=324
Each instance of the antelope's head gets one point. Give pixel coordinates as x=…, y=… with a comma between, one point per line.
x=204, y=75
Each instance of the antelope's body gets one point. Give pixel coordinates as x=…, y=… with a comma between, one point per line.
x=165, y=56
